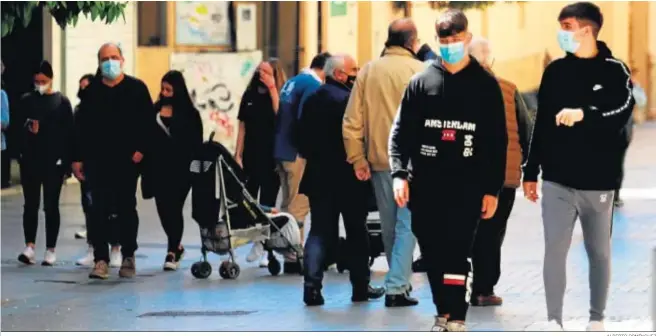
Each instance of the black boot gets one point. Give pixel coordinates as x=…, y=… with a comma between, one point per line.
x=312, y=297
x=400, y=300
x=367, y=293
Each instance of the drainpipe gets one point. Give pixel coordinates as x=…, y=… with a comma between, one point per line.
x=298, y=37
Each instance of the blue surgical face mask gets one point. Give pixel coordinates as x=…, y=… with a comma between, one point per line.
x=567, y=42
x=111, y=69
x=453, y=52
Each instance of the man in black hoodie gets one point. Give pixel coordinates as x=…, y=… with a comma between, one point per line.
x=449, y=139
x=584, y=103
x=331, y=186
x=112, y=129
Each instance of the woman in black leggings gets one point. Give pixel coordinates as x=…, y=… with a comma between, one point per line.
x=177, y=134
x=47, y=120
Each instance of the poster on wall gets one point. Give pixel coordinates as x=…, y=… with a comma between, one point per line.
x=338, y=8
x=216, y=82
x=246, y=27
x=202, y=23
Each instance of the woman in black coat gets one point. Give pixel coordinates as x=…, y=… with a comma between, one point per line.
x=177, y=134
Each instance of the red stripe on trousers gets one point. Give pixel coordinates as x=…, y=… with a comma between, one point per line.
x=454, y=282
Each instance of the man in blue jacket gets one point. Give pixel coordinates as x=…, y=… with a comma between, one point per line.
x=290, y=165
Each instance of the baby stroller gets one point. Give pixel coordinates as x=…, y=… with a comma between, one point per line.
x=229, y=217
x=374, y=228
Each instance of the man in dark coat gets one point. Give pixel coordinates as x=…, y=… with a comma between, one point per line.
x=332, y=187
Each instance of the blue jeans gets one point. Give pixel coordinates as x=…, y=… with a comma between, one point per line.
x=398, y=239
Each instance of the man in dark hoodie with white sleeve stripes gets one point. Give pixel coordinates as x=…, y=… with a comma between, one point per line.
x=584, y=104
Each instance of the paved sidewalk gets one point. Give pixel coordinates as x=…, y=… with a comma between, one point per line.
x=63, y=299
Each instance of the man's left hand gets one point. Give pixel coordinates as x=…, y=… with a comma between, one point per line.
x=568, y=117
x=489, y=207
x=137, y=157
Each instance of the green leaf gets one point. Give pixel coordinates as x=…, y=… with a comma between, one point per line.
x=27, y=14
x=75, y=18
x=94, y=13
x=62, y=3
x=6, y=29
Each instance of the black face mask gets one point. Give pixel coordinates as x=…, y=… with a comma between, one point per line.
x=166, y=121
x=81, y=93
x=165, y=101
x=350, y=81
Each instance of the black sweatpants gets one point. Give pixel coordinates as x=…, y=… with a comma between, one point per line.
x=35, y=175
x=170, y=202
x=265, y=183
x=487, y=245
x=113, y=193
x=445, y=228
x=324, y=234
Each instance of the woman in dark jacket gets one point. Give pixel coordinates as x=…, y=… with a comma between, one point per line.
x=177, y=135
x=47, y=134
x=257, y=113
x=254, y=152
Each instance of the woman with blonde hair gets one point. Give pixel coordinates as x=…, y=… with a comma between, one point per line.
x=254, y=152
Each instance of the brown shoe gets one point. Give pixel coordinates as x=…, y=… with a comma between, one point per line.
x=128, y=268
x=100, y=271
x=487, y=300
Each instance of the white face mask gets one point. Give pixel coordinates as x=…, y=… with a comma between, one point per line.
x=42, y=89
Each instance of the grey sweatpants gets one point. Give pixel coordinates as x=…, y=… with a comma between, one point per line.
x=561, y=206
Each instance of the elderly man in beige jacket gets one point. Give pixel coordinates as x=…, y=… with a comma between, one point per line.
x=371, y=109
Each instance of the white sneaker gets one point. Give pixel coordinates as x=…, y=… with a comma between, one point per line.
x=596, y=326
x=81, y=234
x=551, y=325
x=87, y=260
x=49, y=258
x=27, y=257
x=115, y=259
x=264, y=262
x=455, y=326
x=440, y=324
x=256, y=252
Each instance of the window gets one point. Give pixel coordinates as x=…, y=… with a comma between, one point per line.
x=152, y=23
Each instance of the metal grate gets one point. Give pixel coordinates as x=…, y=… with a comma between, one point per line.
x=174, y=313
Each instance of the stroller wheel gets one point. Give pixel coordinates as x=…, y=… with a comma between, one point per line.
x=274, y=266
x=229, y=270
x=201, y=270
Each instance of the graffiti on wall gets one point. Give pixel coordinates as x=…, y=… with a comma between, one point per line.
x=216, y=82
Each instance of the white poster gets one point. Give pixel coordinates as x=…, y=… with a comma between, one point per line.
x=216, y=82
x=202, y=23
x=246, y=27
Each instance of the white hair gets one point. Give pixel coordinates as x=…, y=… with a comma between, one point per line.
x=475, y=45
x=335, y=62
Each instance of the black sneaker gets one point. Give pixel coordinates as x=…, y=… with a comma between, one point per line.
x=400, y=300
x=371, y=293
x=312, y=297
x=172, y=261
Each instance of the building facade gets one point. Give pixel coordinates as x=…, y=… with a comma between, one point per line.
x=522, y=35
